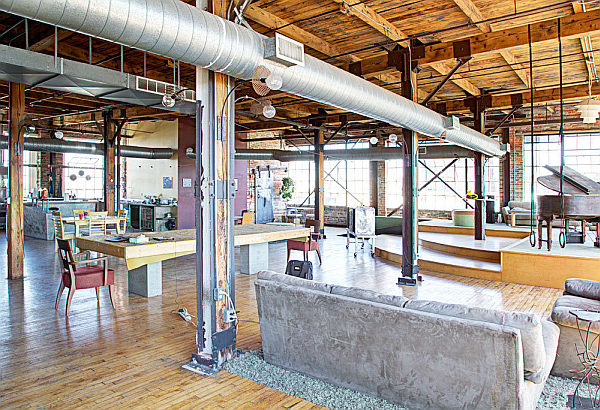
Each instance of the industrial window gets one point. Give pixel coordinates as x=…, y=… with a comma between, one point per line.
x=84, y=176
x=302, y=172
x=582, y=153
x=437, y=195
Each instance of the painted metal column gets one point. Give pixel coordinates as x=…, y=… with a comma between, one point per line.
x=319, y=181
x=14, y=229
x=505, y=168
x=410, y=212
x=478, y=109
x=214, y=191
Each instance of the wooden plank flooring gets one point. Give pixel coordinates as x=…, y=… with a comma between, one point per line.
x=132, y=357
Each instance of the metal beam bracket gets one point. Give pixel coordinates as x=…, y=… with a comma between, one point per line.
x=462, y=48
x=223, y=339
x=218, y=188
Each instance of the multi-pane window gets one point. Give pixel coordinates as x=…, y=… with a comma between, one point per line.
x=303, y=174
x=436, y=195
x=84, y=176
x=346, y=182
x=582, y=153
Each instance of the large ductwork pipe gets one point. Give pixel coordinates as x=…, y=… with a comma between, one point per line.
x=174, y=29
x=91, y=148
x=437, y=151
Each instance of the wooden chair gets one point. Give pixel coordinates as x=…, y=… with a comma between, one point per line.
x=311, y=244
x=247, y=218
x=121, y=226
x=97, y=223
x=76, y=213
x=77, y=276
x=59, y=229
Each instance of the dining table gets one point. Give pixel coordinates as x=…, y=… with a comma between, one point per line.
x=83, y=222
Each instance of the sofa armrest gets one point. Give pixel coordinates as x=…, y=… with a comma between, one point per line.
x=584, y=288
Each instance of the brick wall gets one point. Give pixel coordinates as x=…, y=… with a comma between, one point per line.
x=43, y=172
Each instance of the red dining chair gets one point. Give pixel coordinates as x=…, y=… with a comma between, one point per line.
x=83, y=274
x=308, y=245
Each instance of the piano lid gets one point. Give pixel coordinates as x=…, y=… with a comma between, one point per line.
x=574, y=182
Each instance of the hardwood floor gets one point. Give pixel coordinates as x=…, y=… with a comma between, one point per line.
x=132, y=357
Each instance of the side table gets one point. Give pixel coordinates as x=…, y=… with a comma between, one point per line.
x=588, y=356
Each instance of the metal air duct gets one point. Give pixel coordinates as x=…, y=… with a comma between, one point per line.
x=176, y=30
x=433, y=151
x=91, y=148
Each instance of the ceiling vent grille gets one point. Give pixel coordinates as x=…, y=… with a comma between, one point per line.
x=284, y=50
x=162, y=88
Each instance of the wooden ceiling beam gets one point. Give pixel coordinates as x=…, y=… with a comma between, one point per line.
x=48, y=42
x=476, y=16
x=373, y=19
x=486, y=43
x=388, y=29
x=586, y=46
x=541, y=96
x=271, y=21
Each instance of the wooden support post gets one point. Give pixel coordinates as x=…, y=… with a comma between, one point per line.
x=319, y=181
x=505, y=169
x=410, y=212
x=109, y=162
x=14, y=230
x=478, y=110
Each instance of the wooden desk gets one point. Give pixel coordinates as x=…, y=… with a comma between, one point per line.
x=144, y=261
x=78, y=223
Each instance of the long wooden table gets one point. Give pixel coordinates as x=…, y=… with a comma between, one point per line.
x=144, y=261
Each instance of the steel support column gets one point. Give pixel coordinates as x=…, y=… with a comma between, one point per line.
x=14, y=228
x=319, y=180
x=410, y=221
x=478, y=109
x=505, y=169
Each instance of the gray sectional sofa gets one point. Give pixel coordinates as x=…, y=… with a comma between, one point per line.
x=420, y=354
x=579, y=294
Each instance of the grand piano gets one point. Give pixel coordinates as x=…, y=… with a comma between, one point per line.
x=581, y=203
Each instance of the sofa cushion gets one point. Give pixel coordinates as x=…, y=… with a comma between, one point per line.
x=292, y=280
x=369, y=295
x=561, y=311
x=534, y=354
x=550, y=334
x=583, y=287
x=519, y=204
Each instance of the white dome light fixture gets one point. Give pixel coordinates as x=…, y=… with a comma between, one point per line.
x=373, y=140
x=589, y=109
x=268, y=110
x=393, y=138
x=168, y=101
x=274, y=81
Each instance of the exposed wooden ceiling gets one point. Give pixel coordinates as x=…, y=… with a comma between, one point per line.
x=345, y=32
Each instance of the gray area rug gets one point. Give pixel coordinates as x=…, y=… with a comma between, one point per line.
x=252, y=366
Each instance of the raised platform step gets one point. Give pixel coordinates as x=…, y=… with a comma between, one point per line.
x=491, y=230
x=465, y=245
x=390, y=247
